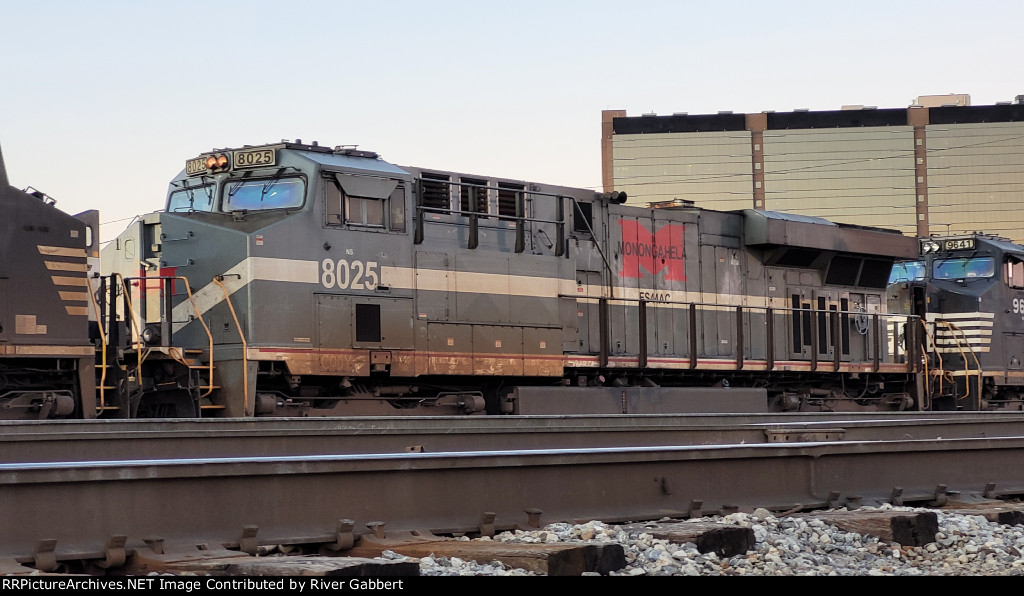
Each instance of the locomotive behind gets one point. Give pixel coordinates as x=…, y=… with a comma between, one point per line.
x=968, y=291
x=46, y=355
x=299, y=280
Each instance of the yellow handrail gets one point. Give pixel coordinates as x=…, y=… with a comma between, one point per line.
x=206, y=328
x=245, y=348
x=174, y=353
x=103, y=344
x=958, y=336
x=967, y=371
x=137, y=325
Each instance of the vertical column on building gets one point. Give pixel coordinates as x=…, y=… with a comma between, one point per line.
x=607, y=159
x=756, y=123
x=918, y=118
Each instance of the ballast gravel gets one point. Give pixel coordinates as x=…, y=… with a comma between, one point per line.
x=964, y=545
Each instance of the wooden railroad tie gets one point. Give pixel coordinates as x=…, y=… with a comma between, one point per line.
x=993, y=510
x=722, y=539
x=908, y=528
x=223, y=562
x=560, y=558
x=308, y=566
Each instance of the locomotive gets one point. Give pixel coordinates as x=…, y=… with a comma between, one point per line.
x=46, y=354
x=967, y=290
x=296, y=279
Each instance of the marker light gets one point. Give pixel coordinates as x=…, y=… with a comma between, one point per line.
x=217, y=162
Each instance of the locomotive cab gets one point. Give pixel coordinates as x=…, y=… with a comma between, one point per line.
x=231, y=247
x=969, y=291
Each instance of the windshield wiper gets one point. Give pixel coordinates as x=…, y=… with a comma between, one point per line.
x=270, y=184
x=239, y=184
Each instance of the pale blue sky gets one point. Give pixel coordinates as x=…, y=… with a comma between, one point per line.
x=102, y=102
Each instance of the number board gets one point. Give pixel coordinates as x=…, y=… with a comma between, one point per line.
x=964, y=244
x=195, y=166
x=254, y=158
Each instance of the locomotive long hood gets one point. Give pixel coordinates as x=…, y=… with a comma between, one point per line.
x=773, y=229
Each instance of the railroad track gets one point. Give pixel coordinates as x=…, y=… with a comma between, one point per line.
x=366, y=482
x=88, y=440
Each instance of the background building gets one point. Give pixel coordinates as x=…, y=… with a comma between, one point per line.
x=938, y=166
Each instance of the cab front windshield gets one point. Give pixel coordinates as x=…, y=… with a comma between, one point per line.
x=194, y=198
x=963, y=268
x=273, y=193
x=909, y=271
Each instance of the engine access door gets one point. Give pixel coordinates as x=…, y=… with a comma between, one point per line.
x=589, y=290
x=827, y=322
x=816, y=331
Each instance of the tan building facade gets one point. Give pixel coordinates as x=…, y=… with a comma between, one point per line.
x=922, y=170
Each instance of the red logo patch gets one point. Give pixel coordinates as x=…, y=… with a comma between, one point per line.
x=652, y=252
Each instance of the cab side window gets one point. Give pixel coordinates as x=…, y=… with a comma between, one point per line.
x=364, y=211
x=334, y=203
x=397, y=204
x=363, y=201
x=1014, y=271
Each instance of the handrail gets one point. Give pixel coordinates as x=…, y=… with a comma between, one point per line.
x=963, y=356
x=103, y=349
x=924, y=359
x=730, y=307
x=136, y=338
x=689, y=310
x=245, y=347
x=136, y=326
x=206, y=328
x=954, y=330
x=519, y=217
x=590, y=230
x=939, y=371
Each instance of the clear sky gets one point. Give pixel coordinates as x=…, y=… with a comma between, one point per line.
x=102, y=101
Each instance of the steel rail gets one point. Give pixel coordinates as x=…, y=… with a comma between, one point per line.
x=27, y=441
x=77, y=510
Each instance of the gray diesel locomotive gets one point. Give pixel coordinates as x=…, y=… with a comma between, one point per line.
x=968, y=291
x=298, y=280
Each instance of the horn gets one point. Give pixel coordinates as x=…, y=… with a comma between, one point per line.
x=613, y=197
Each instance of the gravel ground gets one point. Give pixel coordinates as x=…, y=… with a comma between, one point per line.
x=964, y=545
